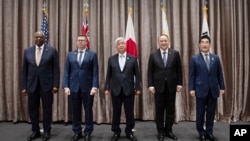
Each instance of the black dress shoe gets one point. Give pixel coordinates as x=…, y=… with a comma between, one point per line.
x=34, y=135
x=115, y=137
x=87, y=138
x=46, y=136
x=131, y=137
x=76, y=137
x=211, y=137
x=171, y=135
x=160, y=137
x=202, y=138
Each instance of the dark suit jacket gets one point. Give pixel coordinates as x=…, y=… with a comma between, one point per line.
x=157, y=73
x=201, y=80
x=47, y=72
x=128, y=79
x=82, y=77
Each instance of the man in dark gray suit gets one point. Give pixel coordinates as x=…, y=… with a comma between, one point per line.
x=40, y=79
x=164, y=79
x=123, y=82
x=81, y=81
x=206, y=83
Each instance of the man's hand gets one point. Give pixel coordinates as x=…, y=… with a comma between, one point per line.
x=93, y=91
x=179, y=88
x=107, y=92
x=192, y=93
x=137, y=92
x=222, y=92
x=24, y=92
x=67, y=91
x=151, y=90
x=54, y=90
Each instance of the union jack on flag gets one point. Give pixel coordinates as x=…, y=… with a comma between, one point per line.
x=44, y=26
x=85, y=28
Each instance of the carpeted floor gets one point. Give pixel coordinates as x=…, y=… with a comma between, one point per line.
x=144, y=131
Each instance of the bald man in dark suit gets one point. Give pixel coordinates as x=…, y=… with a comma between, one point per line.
x=40, y=79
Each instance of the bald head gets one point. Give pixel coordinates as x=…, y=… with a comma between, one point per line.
x=39, y=38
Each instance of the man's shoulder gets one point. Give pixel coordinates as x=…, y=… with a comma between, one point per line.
x=90, y=51
x=173, y=50
x=155, y=52
x=131, y=56
x=29, y=48
x=196, y=56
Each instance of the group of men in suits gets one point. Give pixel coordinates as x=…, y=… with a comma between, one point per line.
x=40, y=79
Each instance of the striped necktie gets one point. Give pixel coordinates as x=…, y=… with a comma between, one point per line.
x=207, y=60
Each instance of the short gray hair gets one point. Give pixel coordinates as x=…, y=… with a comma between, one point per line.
x=119, y=39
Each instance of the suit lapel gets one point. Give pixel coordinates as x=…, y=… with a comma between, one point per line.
x=44, y=53
x=33, y=50
x=159, y=56
x=85, y=57
x=202, y=61
x=126, y=61
x=75, y=57
x=211, y=60
x=170, y=57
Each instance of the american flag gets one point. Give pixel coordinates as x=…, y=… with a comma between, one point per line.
x=44, y=26
x=85, y=28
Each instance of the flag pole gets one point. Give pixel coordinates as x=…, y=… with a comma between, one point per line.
x=204, y=9
x=86, y=9
x=85, y=27
x=44, y=8
x=130, y=8
x=164, y=18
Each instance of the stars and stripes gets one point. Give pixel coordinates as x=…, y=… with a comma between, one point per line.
x=44, y=25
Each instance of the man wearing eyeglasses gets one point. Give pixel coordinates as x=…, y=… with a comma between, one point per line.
x=81, y=82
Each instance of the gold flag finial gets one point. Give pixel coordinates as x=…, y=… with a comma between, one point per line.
x=86, y=8
x=44, y=8
x=130, y=11
x=204, y=9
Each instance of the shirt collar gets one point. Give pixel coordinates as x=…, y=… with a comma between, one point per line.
x=42, y=46
x=164, y=51
x=81, y=50
x=203, y=54
x=124, y=54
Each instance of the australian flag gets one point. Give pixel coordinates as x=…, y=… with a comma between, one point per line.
x=44, y=26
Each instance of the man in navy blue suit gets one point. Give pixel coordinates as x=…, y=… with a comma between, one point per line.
x=123, y=82
x=81, y=81
x=40, y=79
x=206, y=82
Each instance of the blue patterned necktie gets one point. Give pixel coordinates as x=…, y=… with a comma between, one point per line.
x=164, y=58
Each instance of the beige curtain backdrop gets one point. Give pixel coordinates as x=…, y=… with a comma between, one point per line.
x=228, y=21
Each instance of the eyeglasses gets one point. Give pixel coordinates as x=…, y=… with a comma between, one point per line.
x=81, y=40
